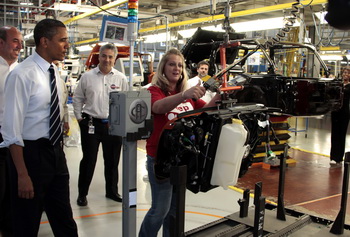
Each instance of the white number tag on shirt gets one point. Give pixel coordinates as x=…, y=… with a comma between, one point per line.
x=91, y=129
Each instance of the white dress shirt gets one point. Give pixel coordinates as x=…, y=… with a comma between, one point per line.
x=64, y=112
x=92, y=93
x=208, y=94
x=5, y=69
x=27, y=105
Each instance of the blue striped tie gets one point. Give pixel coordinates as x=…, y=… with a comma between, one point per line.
x=55, y=124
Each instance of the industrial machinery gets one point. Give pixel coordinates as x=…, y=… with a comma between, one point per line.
x=215, y=144
x=262, y=80
x=284, y=75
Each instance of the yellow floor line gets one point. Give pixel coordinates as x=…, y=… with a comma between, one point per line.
x=316, y=153
x=251, y=194
x=316, y=200
x=140, y=149
x=113, y=212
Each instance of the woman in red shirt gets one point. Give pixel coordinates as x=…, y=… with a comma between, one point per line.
x=170, y=96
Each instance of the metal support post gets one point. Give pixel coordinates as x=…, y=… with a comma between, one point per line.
x=130, y=118
x=178, y=177
x=244, y=204
x=129, y=187
x=281, y=212
x=259, y=216
x=338, y=225
x=132, y=34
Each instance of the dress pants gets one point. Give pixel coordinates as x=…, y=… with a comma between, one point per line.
x=111, y=146
x=340, y=122
x=47, y=168
x=5, y=217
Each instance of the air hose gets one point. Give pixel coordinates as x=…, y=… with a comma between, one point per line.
x=287, y=27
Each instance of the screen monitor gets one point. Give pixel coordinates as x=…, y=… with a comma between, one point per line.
x=123, y=65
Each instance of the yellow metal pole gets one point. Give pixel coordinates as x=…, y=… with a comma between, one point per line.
x=87, y=41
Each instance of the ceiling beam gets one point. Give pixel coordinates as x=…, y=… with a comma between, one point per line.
x=232, y=15
x=93, y=12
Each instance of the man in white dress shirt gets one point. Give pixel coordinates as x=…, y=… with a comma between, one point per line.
x=11, y=43
x=202, y=69
x=39, y=176
x=91, y=108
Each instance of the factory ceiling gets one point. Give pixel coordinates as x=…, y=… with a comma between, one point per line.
x=84, y=17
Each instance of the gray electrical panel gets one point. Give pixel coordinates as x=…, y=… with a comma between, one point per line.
x=128, y=111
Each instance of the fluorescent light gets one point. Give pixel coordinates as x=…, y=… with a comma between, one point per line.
x=26, y=3
x=217, y=28
x=161, y=37
x=263, y=24
x=84, y=48
x=332, y=57
x=187, y=33
x=190, y=32
x=28, y=36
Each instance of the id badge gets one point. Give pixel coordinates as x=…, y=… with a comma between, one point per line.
x=91, y=129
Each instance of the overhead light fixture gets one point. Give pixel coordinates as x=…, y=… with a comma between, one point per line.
x=26, y=3
x=262, y=24
x=187, y=33
x=256, y=25
x=217, y=28
x=83, y=48
x=325, y=57
x=161, y=37
x=28, y=36
x=190, y=32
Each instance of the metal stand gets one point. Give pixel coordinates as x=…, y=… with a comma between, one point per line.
x=129, y=117
x=338, y=225
x=281, y=212
x=295, y=129
x=129, y=187
x=259, y=216
x=244, y=204
x=288, y=222
x=178, y=177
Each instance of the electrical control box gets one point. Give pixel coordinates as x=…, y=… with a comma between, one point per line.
x=129, y=113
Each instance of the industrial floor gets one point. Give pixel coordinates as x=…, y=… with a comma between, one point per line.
x=312, y=185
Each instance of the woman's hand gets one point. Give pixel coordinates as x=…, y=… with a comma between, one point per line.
x=196, y=92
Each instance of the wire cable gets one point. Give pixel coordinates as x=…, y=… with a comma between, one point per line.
x=309, y=4
x=110, y=13
x=287, y=27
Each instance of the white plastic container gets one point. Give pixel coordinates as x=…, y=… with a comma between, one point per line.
x=229, y=154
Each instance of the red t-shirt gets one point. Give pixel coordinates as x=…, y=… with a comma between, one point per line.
x=159, y=120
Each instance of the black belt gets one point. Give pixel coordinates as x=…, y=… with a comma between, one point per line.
x=87, y=116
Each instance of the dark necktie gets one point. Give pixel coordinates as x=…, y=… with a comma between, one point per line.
x=55, y=124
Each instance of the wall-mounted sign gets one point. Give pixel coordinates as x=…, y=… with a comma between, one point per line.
x=114, y=30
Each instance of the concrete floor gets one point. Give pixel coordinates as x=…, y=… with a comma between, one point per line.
x=103, y=217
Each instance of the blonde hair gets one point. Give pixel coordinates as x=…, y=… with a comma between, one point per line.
x=160, y=80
